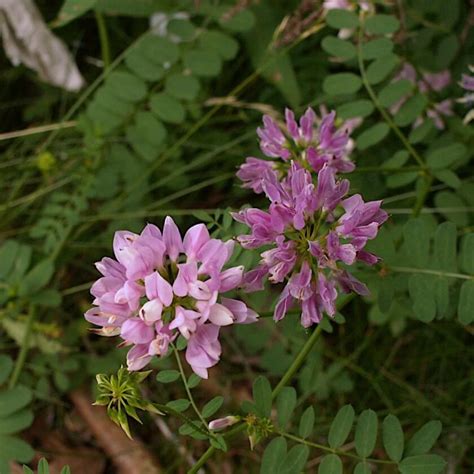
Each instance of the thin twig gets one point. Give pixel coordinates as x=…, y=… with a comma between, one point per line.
x=35, y=130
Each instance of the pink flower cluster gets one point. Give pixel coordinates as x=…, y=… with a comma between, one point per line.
x=162, y=285
x=427, y=82
x=313, y=229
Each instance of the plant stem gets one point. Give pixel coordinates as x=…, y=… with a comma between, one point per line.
x=77, y=289
x=104, y=39
x=428, y=181
x=377, y=104
x=34, y=130
x=155, y=210
x=426, y=271
x=170, y=411
x=188, y=390
x=25, y=345
x=298, y=362
x=331, y=450
x=36, y=194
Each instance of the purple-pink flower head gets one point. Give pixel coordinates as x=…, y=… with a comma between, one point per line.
x=310, y=142
x=467, y=83
x=311, y=231
x=162, y=285
x=314, y=232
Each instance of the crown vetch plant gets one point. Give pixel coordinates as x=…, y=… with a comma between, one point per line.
x=160, y=285
x=393, y=96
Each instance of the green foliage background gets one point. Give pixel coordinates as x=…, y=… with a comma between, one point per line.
x=160, y=130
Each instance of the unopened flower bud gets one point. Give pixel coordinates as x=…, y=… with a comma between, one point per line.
x=221, y=423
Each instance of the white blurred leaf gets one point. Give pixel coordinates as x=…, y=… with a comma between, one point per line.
x=27, y=40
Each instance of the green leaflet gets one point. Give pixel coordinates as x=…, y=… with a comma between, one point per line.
x=295, y=460
x=380, y=68
x=411, y=110
x=36, y=278
x=445, y=247
x=338, y=47
x=182, y=86
x=262, y=395
x=286, y=403
x=212, y=406
x=330, y=464
x=339, y=19
x=167, y=376
x=358, y=108
x=179, y=405
x=342, y=83
x=446, y=156
x=167, y=108
x=466, y=303
x=182, y=29
x=273, y=456
x=393, y=439
x=242, y=21
x=15, y=416
x=422, y=291
x=448, y=201
x=224, y=45
x=381, y=24
x=366, y=433
x=424, y=439
x=372, y=135
x=394, y=91
x=377, y=48
x=203, y=63
x=425, y=464
x=467, y=254
x=306, y=422
x=341, y=426
x=126, y=86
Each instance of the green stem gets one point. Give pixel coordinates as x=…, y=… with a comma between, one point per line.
x=77, y=289
x=426, y=271
x=36, y=194
x=170, y=411
x=186, y=386
x=377, y=104
x=160, y=212
x=155, y=211
x=331, y=450
x=210, y=451
x=377, y=169
x=298, y=362
x=25, y=345
x=428, y=181
x=104, y=39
